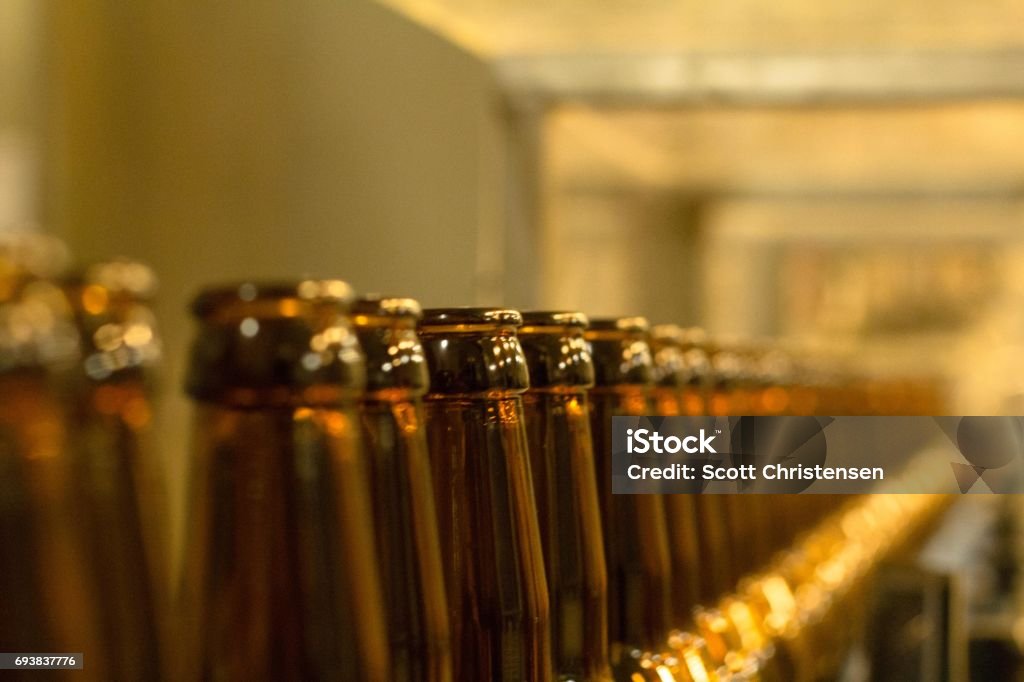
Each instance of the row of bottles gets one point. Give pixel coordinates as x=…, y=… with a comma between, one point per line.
x=377, y=492
x=83, y=546
x=798, y=617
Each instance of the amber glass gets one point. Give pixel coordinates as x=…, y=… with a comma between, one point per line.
x=490, y=541
x=120, y=485
x=680, y=372
x=405, y=522
x=281, y=577
x=733, y=394
x=565, y=487
x=635, y=531
x=781, y=392
x=727, y=395
x=702, y=543
x=775, y=520
x=750, y=524
x=47, y=602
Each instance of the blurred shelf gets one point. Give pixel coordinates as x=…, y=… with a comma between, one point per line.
x=744, y=50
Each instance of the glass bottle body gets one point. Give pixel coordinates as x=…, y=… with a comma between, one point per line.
x=565, y=488
x=123, y=505
x=490, y=540
x=401, y=490
x=635, y=526
x=498, y=600
x=680, y=370
x=116, y=483
x=405, y=522
x=280, y=572
x=562, y=457
x=46, y=577
x=49, y=604
x=635, y=535
x=280, y=575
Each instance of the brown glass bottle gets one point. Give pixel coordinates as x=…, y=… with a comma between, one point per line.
x=119, y=482
x=731, y=395
x=727, y=392
x=773, y=392
x=490, y=540
x=48, y=604
x=685, y=384
x=281, y=575
x=565, y=487
x=405, y=521
x=680, y=372
x=635, y=532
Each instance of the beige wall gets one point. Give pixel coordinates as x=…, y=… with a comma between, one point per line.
x=19, y=67
x=220, y=141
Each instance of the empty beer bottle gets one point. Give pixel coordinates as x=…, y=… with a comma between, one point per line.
x=729, y=379
x=562, y=458
x=715, y=544
x=490, y=540
x=679, y=376
x=635, y=533
x=681, y=370
x=699, y=525
x=732, y=394
x=405, y=522
x=281, y=574
x=119, y=481
x=48, y=604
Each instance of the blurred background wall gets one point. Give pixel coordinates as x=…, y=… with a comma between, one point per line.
x=20, y=84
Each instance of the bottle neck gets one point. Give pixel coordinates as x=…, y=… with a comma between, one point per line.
x=396, y=366
x=488, y=363
x=558, y=360
x=622, y=359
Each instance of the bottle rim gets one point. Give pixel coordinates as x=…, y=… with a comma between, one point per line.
x=470, y=317
x=634, y=325
x=552, y=320
x=376, y=308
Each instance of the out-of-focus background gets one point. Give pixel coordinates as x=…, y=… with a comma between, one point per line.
x=848, y=174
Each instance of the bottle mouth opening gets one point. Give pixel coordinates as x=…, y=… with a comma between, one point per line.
x=625, y=325
x=376, y=310
x=547, y=321
x=271, y=298
x=451, y=319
